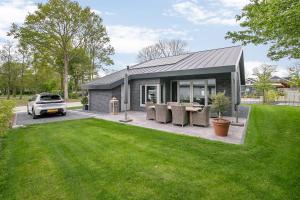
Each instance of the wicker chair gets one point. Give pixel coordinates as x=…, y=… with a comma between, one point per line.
x=162, y=114
x=179, y=115
x=150, y=111
x=201, y=118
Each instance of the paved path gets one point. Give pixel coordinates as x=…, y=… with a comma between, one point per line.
x=22, y=118
x=24, y=108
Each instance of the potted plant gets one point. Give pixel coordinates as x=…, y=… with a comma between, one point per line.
x=84, y=102
x=220, y=103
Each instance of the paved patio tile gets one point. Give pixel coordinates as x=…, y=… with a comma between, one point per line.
x=236, y=133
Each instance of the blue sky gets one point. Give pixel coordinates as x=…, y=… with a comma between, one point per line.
x=134, y=24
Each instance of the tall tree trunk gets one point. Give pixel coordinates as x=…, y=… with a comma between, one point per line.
x=66, y=65
x=14, y=91
x=22, y=78
x=8, y=91
x=61, y=81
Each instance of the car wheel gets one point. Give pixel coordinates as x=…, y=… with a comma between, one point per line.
x=64, y=113
x=34, y=116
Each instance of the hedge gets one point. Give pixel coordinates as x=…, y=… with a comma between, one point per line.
x=6, y=114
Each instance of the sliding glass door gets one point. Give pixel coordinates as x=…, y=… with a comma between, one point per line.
x=184, y=91
x=198, y=91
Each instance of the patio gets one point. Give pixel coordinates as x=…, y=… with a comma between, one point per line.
x=235, y=136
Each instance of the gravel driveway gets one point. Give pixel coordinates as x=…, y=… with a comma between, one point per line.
x=22, y=118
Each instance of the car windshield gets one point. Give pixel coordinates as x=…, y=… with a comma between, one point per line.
x=50, y=97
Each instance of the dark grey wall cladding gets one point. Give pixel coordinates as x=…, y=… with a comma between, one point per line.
x=99, y=99
x=135, y=92
x=116, y=92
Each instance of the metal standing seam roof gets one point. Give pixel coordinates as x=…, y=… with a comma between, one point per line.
x=214, y=58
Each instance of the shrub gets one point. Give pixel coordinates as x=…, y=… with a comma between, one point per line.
x=84, y=100
x=6, y=114
x=271, y=96
x=73, y=95
x=220, y=103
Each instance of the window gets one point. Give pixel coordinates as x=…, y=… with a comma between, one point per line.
x=149, y=93
x=211, y=87
x=184, y=91
x=49, y=97
x=199, y=91
x=194, y=90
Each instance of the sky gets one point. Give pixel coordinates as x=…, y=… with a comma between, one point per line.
x=134, y=24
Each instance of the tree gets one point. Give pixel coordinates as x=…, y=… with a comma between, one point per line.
x=62, y=26
x=162, y=48
x=97, y=47
x=263, y=82
x=274, y=22
x=80, y=66
x=25, y=57
x=6, y=68
x=294, y=74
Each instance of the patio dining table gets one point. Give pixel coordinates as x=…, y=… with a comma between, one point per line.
x=189, y=109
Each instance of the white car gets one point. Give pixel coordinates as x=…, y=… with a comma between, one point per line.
x=46, y=103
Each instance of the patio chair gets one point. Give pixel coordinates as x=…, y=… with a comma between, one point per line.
x=179, y=115
x=201, y=118
x=162, y=114
x=150, y=111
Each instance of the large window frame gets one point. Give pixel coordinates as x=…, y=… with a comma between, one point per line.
x=158, y=93
x=191, y=87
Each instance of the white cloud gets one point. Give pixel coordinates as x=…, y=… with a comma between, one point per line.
x=250, y=65
x=212, y=13
x=13, y=11
x=131, y=39
x=98, y=12
x=220, y=12
x=233, y=3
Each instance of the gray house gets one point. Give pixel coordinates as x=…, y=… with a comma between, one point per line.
x=192, y=77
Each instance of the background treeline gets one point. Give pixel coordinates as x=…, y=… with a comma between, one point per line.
x=58, y=47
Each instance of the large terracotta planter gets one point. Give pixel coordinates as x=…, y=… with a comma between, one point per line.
x=221, y=127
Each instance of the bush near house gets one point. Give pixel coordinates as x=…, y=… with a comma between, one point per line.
x=272, y=96
x=6, y=114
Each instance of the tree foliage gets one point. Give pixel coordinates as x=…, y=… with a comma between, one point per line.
x=274, y=22
x=6, y=114
x=162, y=48
x=294, y=74
x=62, y=27
x=220, y=103
x=263, y=81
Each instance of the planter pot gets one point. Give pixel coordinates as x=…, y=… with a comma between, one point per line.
x=221, y=127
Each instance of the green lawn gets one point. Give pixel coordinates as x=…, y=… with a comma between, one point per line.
x=75, y=108
x=95, y=159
